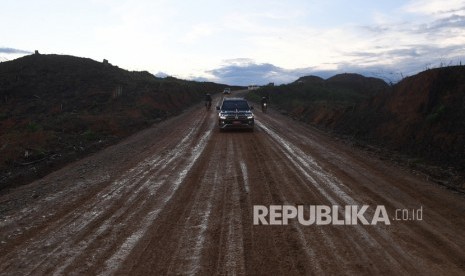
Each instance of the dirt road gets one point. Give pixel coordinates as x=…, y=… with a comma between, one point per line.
x=178, y=198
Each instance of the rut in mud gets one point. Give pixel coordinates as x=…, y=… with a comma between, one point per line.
x=178, y=198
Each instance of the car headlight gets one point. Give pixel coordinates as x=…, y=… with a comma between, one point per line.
x=250, y=116
x=222, y=117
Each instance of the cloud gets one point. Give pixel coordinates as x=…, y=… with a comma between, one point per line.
x=244, y=71
x=198, y=32
x=403, y=48
x=5, y=50
x=435, y=7
x=192, y=39
x=161, y=75
x=397, y=37
x=404, y=62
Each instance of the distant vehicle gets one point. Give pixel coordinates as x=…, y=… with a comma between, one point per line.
x=227, y=91
x=253, y=87
x=235, y=113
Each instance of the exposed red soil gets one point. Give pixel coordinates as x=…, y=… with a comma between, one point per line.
x=55, y=109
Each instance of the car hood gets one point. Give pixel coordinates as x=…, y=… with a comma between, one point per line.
x=234, y=112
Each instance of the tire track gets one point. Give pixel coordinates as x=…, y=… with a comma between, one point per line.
x=378, y=237
x=184, y=206
x=135, y=183
x=187, y=258
x=112, y=263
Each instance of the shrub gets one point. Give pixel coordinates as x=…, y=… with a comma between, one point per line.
x=89, y=135
x=33, y=127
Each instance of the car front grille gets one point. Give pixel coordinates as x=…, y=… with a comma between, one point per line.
x=232, y=117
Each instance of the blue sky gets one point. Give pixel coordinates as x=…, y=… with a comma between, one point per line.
x=242, y=41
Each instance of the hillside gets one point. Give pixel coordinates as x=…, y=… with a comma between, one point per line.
x=54, y=109
x=422, y=117
x=320, y=101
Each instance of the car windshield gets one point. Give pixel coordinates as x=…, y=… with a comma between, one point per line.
x=233, y=105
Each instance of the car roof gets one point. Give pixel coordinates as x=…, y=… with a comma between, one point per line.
x=234, y=99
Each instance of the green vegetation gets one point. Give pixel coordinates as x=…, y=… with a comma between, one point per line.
x=254, y=96
x=436, y=114
x=340, y=91
x=415, y=161
x=89, y=135
x=33, y=127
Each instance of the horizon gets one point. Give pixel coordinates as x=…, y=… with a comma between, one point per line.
x=324, y=76
x=245, y=42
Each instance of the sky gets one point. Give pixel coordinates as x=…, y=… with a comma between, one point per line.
x=242, y=42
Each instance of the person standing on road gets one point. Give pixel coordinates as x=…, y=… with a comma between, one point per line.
x=208, y=101
x=264, y=103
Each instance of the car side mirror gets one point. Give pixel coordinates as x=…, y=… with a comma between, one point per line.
x=217, y=108
x=251, y=108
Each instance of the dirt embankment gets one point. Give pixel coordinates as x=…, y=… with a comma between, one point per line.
x=424, y=115
x=421, y=119
x=55, y=109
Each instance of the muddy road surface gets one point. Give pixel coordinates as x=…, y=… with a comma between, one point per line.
x=178, y=199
